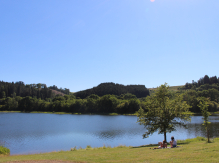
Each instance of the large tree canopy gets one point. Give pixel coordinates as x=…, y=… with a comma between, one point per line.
x=164, y=111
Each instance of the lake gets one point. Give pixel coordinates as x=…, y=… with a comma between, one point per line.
x=27, y=133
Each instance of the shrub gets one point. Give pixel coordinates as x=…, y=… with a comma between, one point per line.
x=88, y=147
x=4, y=150
x=74, y=149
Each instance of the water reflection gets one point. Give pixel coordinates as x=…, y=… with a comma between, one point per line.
x=34, y=133
x=199, y=130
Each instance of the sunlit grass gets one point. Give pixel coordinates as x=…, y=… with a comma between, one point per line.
x=190, y=150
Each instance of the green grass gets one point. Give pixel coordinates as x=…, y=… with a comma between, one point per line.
x=190, y=150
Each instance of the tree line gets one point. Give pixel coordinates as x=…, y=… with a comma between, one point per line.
x=125, y=103
x=202, y=81
x=12, y=89
x=105, y=98
x=207, y=87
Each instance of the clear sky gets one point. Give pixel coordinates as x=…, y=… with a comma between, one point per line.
x=78, y=44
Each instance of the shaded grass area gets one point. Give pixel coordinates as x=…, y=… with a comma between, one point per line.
x=190, y=150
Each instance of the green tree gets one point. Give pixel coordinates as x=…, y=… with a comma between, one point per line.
x=10, y=104
x=203, y=105
x=108, y=103
x=3, y=94
x=165, y=111
x=91, y=103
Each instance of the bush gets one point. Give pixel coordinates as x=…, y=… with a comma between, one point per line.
x=74, y=149
x=88, y=147
x=4, y=150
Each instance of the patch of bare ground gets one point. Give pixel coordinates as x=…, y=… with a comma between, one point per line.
x=57, y=92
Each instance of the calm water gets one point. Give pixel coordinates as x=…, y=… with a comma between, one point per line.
x=25, y=133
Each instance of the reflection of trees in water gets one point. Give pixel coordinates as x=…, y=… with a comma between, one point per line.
x=193, y=130
x=199, y=129
x=116, y=133
x=110, y=134
x=38, y=126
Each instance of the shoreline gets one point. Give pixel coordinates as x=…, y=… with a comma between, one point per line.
x=112, y=114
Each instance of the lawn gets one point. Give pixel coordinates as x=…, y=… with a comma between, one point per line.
x=193, y=150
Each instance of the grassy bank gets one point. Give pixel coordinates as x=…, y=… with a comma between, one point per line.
x=191, y=150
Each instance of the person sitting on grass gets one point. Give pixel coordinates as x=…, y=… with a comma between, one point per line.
x=162, y=145
x=173, y=142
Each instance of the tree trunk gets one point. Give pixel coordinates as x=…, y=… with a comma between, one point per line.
x=165, y=136
x=208, y=135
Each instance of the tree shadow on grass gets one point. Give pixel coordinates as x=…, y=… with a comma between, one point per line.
x=149, y=145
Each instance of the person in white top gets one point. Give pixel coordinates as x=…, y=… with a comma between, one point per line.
x=173, y=142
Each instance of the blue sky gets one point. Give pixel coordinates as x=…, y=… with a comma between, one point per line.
x=78, y=44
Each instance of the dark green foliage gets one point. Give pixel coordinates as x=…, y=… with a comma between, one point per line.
x=204, y=91
x=105, y=98
x=10, y=103
x=20, y=89
x=108, y=103
x=205, y=87
x=114, y=89
x=92, y=103
x=68, y=103
x=202, y=81
x=190, y=96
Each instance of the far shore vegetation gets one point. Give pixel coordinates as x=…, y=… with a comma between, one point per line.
x=189, y=150
x=106, y=98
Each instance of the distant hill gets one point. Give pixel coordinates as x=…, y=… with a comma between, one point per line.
x=115, y=89
x=11, y=89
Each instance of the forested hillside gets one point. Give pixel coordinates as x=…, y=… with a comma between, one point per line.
x=114, y=89
x=207, y=87
x=39, y=90
x=20, y=89
x=105, y=98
